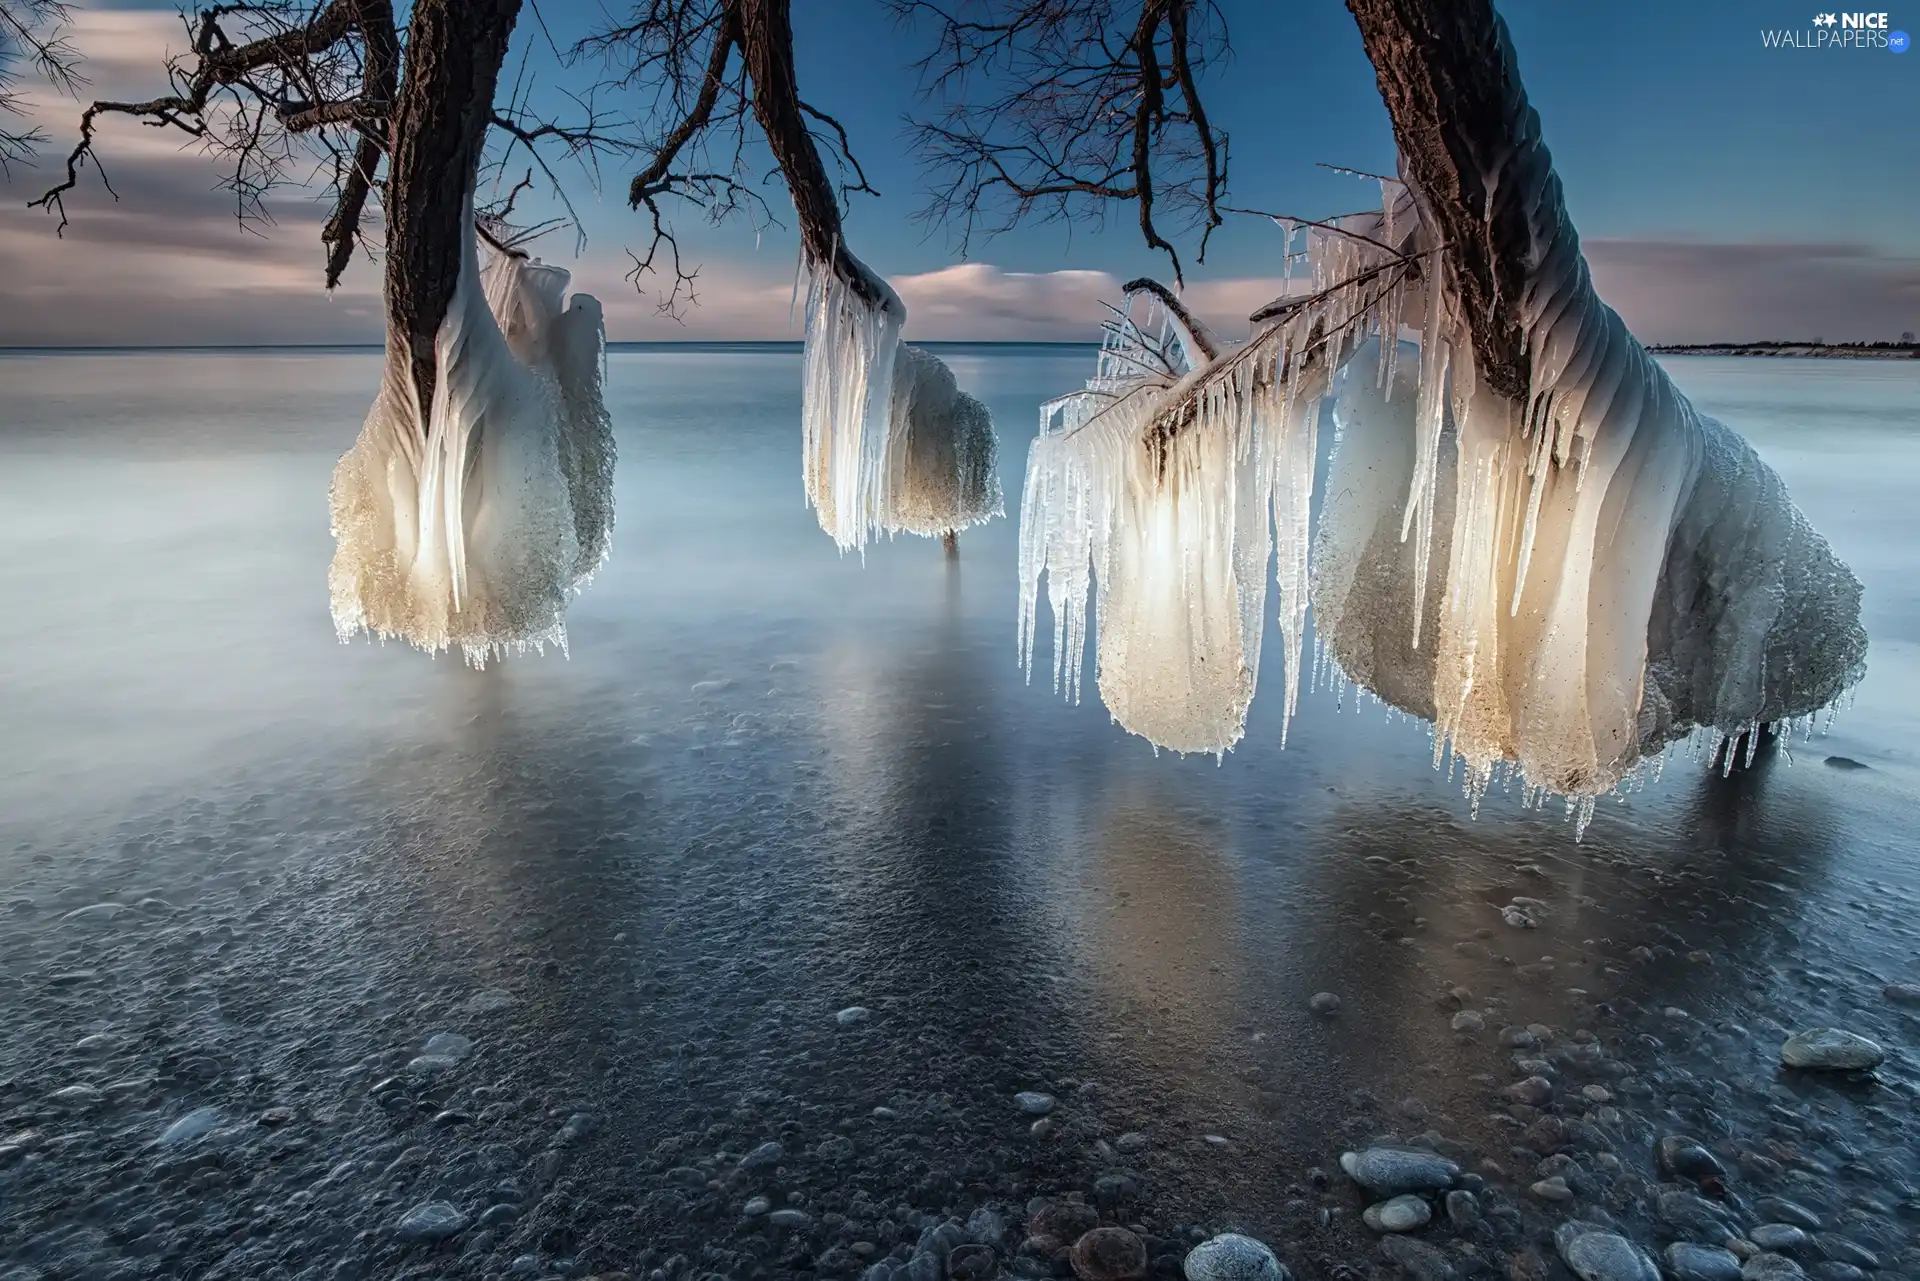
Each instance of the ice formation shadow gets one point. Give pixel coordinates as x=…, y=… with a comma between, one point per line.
x=469, y=523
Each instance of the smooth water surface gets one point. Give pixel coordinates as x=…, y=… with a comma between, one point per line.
x=770, y=783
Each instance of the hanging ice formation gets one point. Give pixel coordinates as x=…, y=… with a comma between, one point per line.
x=890, y=443
x=470, y=522
x=1568, y=584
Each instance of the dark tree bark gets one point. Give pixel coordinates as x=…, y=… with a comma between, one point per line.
x=1471, y=145
x=766, y=36
x=454, y=52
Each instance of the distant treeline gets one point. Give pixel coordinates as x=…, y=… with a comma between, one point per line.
x=1906, y=348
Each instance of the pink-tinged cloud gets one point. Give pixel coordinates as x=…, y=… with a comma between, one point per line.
x=169, y=264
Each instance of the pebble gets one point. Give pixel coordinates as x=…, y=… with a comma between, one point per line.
x=432, y=1221
x=853, y=1014
x=1534, y=1091
x=971, y=1262
x=1396, y=1169
x=1603, y=1256
x=1903, y=993
x=1677, y=1156
x=1058, y=1224
x=1553, y=1189
x=449, y=1045
x=1417, y=1259
x=1518, y=919
x=1401, y=1214
x=1689, y=1262
x=1323, y=1003
x=1131, y=1141
x=1109, y=1254
x=190, y=1127
x=1033, y=1103
x=1771, y=1267
x=1778, y=1238
x=1468, y=1021
x=1232, y=1257
x=764, y=1157
x=1830, y=1049
x=791, y=1220
x=1463, y=1208
x=1780, y=1210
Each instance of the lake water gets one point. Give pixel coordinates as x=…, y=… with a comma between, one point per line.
x=260, y=868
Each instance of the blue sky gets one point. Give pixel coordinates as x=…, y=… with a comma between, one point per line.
x=1724, y=189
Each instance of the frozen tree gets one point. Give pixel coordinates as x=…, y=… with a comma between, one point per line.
x=1535, y=542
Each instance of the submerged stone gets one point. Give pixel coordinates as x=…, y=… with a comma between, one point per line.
x=1830, y=1049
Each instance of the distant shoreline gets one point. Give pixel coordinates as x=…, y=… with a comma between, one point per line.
x=1826, y=351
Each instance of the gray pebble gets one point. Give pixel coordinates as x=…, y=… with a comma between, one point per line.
x=1689, y=1262
x=190, y=1127
x=853, y=1014
x=1780, y=1210
x=1771, y=1267
x=1033, y=1103
x=1401, y=1214
x=1553, y=1189
x=433, y=1221
x=764, y=1157
x=1603, y=1256
x=1463, y=1208
x=1417, y=1259
x=1468, y=1021
x=1323, y=1003
x=449, y=1045
x=1830, y=1049
x=1397, y=1169
x=1232, y=1257
x=756, y=1206
x=791, y=1220
x=1779, y=1238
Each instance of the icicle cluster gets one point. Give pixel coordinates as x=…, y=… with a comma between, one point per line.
x=470, y=522
x=1563, y=587
x=944, y=461
x=891, y=444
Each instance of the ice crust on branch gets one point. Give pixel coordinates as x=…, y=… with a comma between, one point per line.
x=472, y=521
x=1563, y=587
x=890, y=443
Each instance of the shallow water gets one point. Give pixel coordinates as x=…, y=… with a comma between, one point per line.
x=771, y=783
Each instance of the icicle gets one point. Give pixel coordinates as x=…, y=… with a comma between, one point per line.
x=471, y=521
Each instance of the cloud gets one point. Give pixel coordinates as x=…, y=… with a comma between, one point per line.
x=168, y=263
x=1680, y=291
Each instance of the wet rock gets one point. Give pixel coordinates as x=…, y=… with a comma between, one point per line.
x=1109, y=1254
x=1903, y=993
x=1553, y=1189
x=1463, y=1208
x=431, y=1221
x=1467, y=1021
x=1775, y=1209
x=1595, y=1255
x=1058, y=1224
x=791, y=1220
x=1232, y=1257
x=1830, y=1049
x=1418, y=1260
x=195, y=1124
x=1132, y=1141
x=756, y=1206
x=1534, y=1091
x=971, y=1262
x=1324, y=1003
x=1689, y=1262
x=1778, y=1238
x=852, y=1015
x=448, y=1045
x=764, y=1157
x=1833, y=1270
x=1033, y=1103
x=1401, y=1214
x=1771, y=1267
x=1396, y=1169
x=1678, y=1157
x=986, y=1226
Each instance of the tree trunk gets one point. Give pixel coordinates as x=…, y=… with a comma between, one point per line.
x=766, y=41
x=453, y=56
x=1471, y=145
